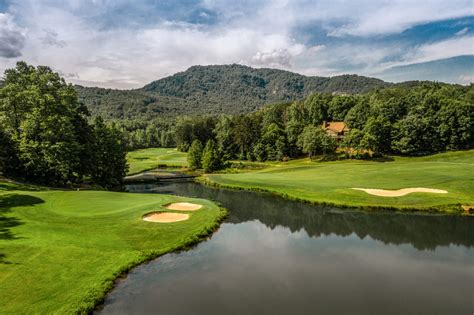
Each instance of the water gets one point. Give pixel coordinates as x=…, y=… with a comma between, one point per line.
x=274, y=256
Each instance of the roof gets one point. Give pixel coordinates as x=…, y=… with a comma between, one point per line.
x=336, y=126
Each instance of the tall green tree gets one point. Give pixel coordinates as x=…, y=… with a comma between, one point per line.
x=40, y=112
x=224, y=137
x=109, y=163
x=211, y=160
x=314, y=140
x=195, y=154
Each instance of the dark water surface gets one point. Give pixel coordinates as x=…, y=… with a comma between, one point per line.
x=274, y=256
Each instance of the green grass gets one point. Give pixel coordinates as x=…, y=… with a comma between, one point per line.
x=331, y=182
x=60, y=251
x=147, y=159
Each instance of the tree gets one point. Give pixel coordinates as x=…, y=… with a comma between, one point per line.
x=8, y=154
x=246, y=133
x=339, y=106
x=45, y=134
x=377, y=135
x=195, y=154
x=352, y=141
x=357, y=116
x=40, y=112
x=109, y=163
x=414, y=135
x=317, y=107
x=273, y=137
x=210, y=157
x=314, y=140
x=225, y=138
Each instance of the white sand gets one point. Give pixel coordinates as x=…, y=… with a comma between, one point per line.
x=165, y=217
x=400, y=192
x=183, y=206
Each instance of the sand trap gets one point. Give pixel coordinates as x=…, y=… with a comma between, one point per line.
x=468, y=209
x=183, y=206
x=400, y=192
x=165, y=217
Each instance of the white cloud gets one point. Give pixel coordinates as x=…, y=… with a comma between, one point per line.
x=385, y=17
x=463, y=31
x=70, y=36
x=12, y=37
x=439, y=50
x=466, y=79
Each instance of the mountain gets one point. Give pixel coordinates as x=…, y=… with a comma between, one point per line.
x=230, y=89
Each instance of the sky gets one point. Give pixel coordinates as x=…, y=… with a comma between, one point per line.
x=127, y=44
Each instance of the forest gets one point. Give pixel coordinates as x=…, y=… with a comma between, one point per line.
x=224, y=89
x=410, y=120
x=48, y=136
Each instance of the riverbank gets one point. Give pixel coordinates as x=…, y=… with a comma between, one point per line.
x=61, y=251
x=332, y=183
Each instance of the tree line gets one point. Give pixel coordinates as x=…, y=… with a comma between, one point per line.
x=46, y=134
x=415, y=120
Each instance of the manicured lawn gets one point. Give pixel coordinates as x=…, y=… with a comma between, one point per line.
x=147, y=159
x=60, y=251
x=331, y=182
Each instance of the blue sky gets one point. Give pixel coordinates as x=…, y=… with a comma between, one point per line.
x=126, y=44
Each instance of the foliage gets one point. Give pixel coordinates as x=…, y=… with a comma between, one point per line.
x=314, y=140
x=188, y=129
x=109, y=163
x=415, y=120
x=211, y=160
x=195, y=153
x=47, y=134
x=226, y=89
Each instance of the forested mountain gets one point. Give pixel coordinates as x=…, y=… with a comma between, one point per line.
x=230, y=89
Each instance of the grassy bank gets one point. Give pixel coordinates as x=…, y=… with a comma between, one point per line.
x=147, y=159
x=331, y=182
x=60, y=251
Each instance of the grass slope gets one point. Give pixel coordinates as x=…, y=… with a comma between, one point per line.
x=331, y=182
x=147, y=159
x=60, y=251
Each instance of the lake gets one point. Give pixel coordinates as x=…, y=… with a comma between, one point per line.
x=274, y=256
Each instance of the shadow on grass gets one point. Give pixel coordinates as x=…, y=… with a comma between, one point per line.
x=8, y=186
x=7, y=221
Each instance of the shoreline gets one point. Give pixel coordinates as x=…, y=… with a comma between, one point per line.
x=449, y=209
x=204, y=235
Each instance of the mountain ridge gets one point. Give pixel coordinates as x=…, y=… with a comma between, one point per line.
x=213, y=89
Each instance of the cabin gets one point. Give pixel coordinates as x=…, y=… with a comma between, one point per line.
x=336, y=129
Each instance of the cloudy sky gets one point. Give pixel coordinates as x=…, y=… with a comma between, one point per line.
x=126, y=44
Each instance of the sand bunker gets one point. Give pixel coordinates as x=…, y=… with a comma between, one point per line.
x=400, y=192
x=468, y=209
x=165, y=217
x=183, y=206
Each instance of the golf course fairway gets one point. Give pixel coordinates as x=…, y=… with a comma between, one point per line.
x=60, y=251
x=148, y=159
x=333, y=182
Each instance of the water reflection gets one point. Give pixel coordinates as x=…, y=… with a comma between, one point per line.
x=274, y=256
x=420, y=231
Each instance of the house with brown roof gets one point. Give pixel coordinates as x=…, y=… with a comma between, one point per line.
x=336, y=129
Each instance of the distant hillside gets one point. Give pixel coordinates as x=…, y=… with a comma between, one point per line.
x=230, y=89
